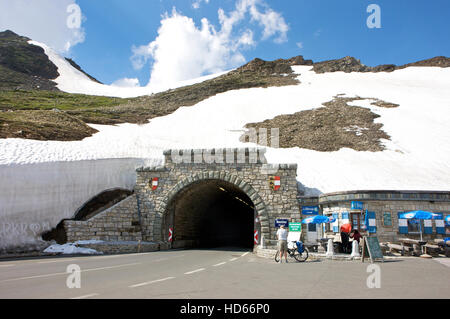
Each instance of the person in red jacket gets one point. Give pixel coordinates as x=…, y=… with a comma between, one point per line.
x=355, y=235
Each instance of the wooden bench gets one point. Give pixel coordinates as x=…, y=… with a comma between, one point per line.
x=400, y=248
x=433, y=250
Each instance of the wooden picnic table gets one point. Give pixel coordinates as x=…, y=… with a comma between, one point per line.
x=409, y=241
x=416, y=244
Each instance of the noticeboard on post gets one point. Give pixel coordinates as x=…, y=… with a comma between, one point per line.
x=310, y=210
x=295, y=227
x=281, y=221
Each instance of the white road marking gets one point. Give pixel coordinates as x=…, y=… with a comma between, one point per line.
x=55, y=261
x=194, y=271
x=245, y=254
x=150, y=282
x=233, y=259
x=65, y=273
x=85, y=296
x=220, y=264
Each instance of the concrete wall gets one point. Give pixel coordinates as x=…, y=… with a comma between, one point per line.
x=34, y=198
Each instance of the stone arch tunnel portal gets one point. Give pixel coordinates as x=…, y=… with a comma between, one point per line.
x=210, y=213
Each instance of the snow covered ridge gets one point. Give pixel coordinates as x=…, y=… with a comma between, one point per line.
x=72, y=80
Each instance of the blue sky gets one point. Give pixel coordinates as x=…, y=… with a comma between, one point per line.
x=319, y=30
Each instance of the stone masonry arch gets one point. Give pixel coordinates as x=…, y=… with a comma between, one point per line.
x=259, y=212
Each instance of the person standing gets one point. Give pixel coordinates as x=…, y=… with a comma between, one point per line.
x=355, y=235
x=282, y=235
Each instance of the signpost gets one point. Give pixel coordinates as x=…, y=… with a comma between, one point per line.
x=295, y=227
x=256, y=237
x=310, y=210
x=279, y=222
x=295, y=230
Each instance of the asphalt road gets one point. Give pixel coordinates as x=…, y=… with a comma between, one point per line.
x=225, y=273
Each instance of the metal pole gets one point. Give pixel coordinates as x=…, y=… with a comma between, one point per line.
x=420, y=226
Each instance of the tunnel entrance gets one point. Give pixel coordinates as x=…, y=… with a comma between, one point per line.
x=210, y=214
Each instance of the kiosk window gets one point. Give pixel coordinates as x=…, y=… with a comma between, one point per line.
x=328, y=228
x=356, y=221
x=312, y=228
x=414, y=226
x=387, y=219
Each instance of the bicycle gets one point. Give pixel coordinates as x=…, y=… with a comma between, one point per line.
x=298, y=251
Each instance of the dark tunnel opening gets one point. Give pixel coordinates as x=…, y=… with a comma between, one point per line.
x=211, y=214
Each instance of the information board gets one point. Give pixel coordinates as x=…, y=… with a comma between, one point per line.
x=310, y=210
x=357, y=205
x=295, y=227
x=372, y=249
x=279, y=222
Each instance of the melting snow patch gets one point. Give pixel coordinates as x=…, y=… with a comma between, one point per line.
x=70, y=249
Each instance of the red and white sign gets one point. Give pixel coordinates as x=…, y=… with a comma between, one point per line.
x=255, y=237
x=155, y=182
x=170, y=234
x=275, y=182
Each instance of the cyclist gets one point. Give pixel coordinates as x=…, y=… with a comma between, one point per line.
x=282, y=235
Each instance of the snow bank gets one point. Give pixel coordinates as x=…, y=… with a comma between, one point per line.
x=72, y=80
x=34, y=198
x=70, y=249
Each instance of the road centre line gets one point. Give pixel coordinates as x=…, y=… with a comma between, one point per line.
x=233, y=259
x=245, y=254
x=65, y=273
x=194, y=271
x=150, y=282
x=220, y=264
x=85, y=296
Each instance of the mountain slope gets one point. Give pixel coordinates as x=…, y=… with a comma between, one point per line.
x=23, y=65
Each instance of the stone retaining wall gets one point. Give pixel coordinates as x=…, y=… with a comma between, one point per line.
x=118, y=223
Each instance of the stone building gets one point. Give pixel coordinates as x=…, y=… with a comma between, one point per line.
x=383, y=209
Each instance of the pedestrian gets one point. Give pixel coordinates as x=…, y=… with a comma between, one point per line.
x=282, y=235
x=345, y=242
x=355, y=235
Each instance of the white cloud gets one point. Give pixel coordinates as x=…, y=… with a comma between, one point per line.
x=196, y=4
x=299, y=45
x=127, y=83
x=183, y=51
x=46, y=21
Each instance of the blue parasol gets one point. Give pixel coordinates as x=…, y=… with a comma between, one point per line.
x=419, y=214
x=318, y=219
